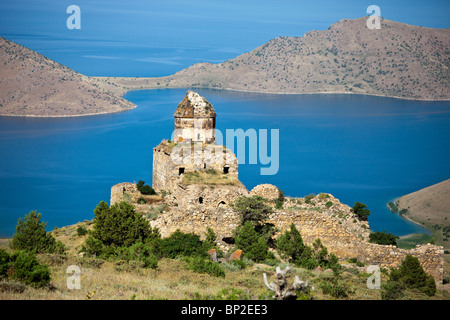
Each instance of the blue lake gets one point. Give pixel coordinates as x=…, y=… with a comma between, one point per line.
x=358, y=148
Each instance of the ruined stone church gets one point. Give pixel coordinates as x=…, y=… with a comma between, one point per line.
x=192, y=159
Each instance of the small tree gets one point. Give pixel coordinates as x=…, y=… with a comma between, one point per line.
x=411, y=275
x=23, y=266
x=145, y=189
x=181, y=244
x=291, y=245
x=383, y=238
x=360, y=210
x=210, y=240
x=117, y=226
x=279, y=202
x=31, y=236
x=252, y=209
x=253, y=246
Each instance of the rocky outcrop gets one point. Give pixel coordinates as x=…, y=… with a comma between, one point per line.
x=267, y=191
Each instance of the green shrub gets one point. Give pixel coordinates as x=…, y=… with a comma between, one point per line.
x=383, y=238
x=392, y=207
x=335, y=288
x=210, y=239
x=290, y=244
x=323, y=196
x=5, y=263
x=254, y=247
x=117, y=226
x=231, y=294
x=23, y=266
x=31, y=236
x=412, y=276
x=360, y=210
x=145, y=189
x=81, y=231
x=328, y=204
x=252, y=209
x=200, y=265
x=392, y=290
x=236, y=265
x=280, y=200
x=180, y=244
x=309, y=197
x=138, y=252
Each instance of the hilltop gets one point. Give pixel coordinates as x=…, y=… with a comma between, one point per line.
x=33, y=85
x=429, y=206
x=398, y=60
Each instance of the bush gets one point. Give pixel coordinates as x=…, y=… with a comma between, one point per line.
x=145, y=189
x=117, y=226
x=252, y=209
x=23, y=266
x=180, y=244
x=210, y=239
x=200, y=265
x=5, y=263
x=309, y=197
x=383, y=238
x=328, y=204
x=336, y=288
x=254, y=247
x=81, y=231
x=412, y=276
x=138, y=252
x=31, y=236
x=291, y=245
x=392, y=290
x=280, y=200
x=360, y=210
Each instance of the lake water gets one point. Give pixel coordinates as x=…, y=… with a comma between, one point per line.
x=358, y=148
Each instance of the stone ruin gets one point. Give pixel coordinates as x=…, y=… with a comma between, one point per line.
x=195, y=195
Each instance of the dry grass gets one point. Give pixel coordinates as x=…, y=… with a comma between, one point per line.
x=172, y=280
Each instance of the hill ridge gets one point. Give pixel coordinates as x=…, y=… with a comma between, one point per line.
x=399, y=60
x=35, y=86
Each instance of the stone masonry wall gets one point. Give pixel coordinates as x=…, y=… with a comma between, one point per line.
x=337, y=227
x=322, y=217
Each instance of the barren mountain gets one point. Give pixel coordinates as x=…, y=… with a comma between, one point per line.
x=429, y=206
x=33, y=85
x=398, y=60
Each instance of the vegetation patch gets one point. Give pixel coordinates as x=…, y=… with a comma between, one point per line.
x=210, y=177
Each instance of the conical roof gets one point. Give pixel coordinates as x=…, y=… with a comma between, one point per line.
x=194, y=106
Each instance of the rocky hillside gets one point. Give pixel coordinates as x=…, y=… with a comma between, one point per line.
x=33, y=85
x=398, y=60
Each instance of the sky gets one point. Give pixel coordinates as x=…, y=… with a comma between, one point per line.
x=160, y=37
